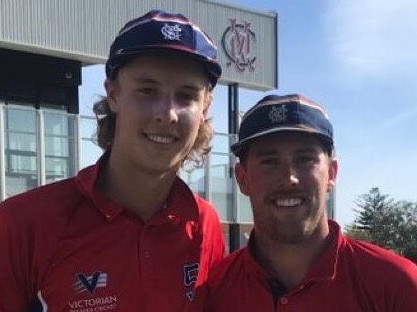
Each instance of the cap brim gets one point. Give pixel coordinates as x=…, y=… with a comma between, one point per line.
x=213, y=68
x=239, y=146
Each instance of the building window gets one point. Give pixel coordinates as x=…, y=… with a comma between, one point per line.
x=20, y=150
x=59, y=142
x=40, y=147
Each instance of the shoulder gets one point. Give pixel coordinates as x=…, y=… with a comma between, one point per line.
x=51, y=204
x=41, y=199
x=379, y=262
x=40, y=216
x=229, y=269
x=205, y=207
x=368, y=252
x=388, y=280
x=37, y=214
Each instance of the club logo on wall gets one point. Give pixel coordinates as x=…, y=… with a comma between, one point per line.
x=237, y=41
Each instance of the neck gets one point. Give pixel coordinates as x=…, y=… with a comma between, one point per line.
x=289, y=263
x=143, y=193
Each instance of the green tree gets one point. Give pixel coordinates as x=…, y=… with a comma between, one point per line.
x=386, y=222
x=407, y=230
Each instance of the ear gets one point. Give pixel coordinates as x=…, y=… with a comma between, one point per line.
x=333, y=167
x=240, y=173
x=111, y=88
x=207, y=103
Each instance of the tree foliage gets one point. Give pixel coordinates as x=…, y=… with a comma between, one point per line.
x=386, y=222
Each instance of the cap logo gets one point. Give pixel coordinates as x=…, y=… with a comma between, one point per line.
x=171, y=32
x=278, y=114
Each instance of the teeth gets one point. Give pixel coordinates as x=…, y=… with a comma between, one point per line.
x=160, y=139
x=288, y=202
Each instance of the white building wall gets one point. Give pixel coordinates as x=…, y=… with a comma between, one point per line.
x=83, y=30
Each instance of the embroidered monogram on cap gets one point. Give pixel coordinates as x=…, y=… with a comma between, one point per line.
x=278, y=114
x=120, y=51
x=171, y=32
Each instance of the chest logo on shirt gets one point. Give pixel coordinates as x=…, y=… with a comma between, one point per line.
x=190, y=278
x=90, y=283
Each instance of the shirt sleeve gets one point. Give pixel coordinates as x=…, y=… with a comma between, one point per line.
x=14, y=262
x=213, y=250
x=401, y=293
x=213, y=244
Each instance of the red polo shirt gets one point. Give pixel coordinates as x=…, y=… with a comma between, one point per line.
x=350, y=276
x=66, y=247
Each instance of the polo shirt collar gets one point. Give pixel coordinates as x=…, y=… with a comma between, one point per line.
x=181, y=206
x=325, y=267
x=181, y=202
x=86, y=181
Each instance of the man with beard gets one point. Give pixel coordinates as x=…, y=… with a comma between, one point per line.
x=297, y=259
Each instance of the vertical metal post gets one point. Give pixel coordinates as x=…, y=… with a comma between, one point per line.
x=2, y=154
x=234, y=226
x=78, y=144
x=208, y=192
x=40, y=152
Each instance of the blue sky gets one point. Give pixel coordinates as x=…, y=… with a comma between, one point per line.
x=358, y=58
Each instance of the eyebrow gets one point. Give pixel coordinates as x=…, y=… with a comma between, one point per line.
x=274, y=151
x=192, y=87
x=267, y=152
x=307, y=150
x=145, y=80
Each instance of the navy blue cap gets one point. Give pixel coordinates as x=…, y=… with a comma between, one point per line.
x=158, y=30
x=276, y=113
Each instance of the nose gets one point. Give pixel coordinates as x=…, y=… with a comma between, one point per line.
x=165, y=110
x=288, y=175
x=293, y=180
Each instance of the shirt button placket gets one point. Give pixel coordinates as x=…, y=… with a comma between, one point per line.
x=283, y=306
x=146, y=253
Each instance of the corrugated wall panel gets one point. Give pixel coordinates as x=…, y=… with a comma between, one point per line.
x=83, y=30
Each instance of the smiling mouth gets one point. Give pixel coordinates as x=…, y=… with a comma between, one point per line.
x=288, y=202
x=160, y=139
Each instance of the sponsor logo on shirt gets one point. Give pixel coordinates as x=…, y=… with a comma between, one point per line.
x=94, y=304
x=190, y=278
x=89, y=284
